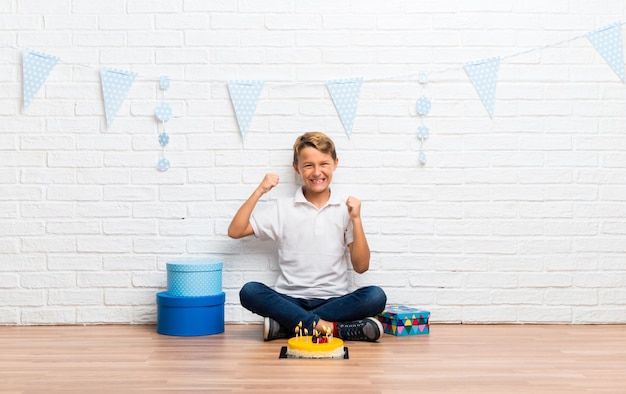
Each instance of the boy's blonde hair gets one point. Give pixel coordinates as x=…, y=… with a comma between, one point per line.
x=314, y=139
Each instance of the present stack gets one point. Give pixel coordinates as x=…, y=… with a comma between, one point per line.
x=193, y=304
x=403, y=320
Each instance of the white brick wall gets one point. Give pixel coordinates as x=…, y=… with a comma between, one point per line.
x=516, y=219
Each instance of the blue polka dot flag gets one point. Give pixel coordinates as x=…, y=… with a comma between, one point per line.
x=36, y=66
x=115, y=87
x=345, y=94
x=484, y=76
x=244, y=96
x=608, y=41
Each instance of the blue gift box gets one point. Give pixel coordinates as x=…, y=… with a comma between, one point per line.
x=194, y=278
x=402, y=320
x=190, y=316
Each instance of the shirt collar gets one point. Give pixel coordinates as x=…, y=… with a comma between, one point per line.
x=299, y=198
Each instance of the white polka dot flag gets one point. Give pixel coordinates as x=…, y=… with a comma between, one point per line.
x=244, y=95
x=36, y=67
x=115, y=87
x=345, y=94
x=608, y=41
x=484, y=76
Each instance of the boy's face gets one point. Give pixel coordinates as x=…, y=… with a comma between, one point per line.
x=316, y=169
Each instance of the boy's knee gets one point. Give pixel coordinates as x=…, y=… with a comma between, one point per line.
x=248, y=290
x=379, y=297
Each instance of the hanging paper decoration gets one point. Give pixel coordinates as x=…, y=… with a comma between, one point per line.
x=483, y=74
x=608, y=41
x=163, y=113
x=244, y=96
x=36, y=66
x=345, y=94
x=115, y=86
x=422, y=107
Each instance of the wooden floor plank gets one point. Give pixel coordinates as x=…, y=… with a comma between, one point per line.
x=451, y=359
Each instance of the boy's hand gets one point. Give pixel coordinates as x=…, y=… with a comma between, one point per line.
x=359, y=249
x=240, y=225
x=268, y=183
x=354, y=207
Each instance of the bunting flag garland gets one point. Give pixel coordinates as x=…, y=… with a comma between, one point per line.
x=483, y=74
x=245, y=96
x=115, y=87
x=345, y=94
x=36, y=66
x=608, y=42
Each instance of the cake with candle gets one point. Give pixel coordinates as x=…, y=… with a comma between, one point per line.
x=318, y=345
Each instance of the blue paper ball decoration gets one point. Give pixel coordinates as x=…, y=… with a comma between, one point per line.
x=163, y=164
x=164, y=112
x=422, y=106
x=423, y=132
x=164, y=139
x=164, y=82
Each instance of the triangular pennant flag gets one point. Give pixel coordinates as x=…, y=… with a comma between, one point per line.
x=36, y=67
x=484, y=74
x=608, y=41
x=244, y=96
x=115, y=87
x=345, y=94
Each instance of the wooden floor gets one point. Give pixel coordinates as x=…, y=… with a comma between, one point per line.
x=451, y=359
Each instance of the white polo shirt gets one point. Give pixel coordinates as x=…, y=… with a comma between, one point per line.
x=312, y=253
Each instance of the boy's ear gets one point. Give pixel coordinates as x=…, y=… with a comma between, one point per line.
x=295, y=167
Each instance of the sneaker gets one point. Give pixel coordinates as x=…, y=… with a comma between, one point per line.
x=273, y=330
x=368, y=329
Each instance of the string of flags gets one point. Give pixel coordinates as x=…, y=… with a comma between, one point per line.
x=345, y=93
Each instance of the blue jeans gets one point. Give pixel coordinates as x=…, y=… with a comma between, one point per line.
x=289, y=311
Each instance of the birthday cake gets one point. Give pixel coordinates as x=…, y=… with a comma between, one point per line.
x=304, y=347
x=318, y=345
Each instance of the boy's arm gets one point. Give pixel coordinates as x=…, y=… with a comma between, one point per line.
x=359, y=249
x=240, y=225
